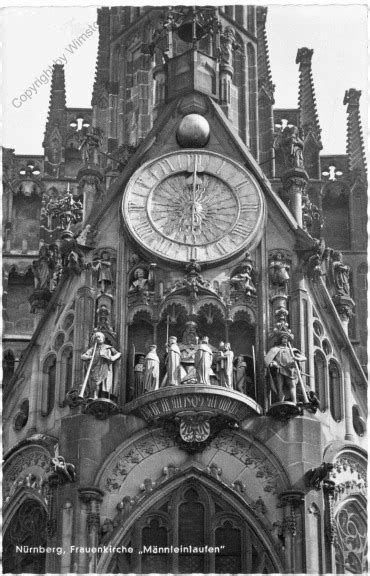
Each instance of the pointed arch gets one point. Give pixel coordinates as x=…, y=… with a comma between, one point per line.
x=65, y=371
x=321, y=378
x=48, y=384
x=27, y=527
x=194, y=494
x=335, y=390
x=8, y=366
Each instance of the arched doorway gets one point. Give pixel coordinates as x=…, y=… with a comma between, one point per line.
x=24, y=539
x=194, y=529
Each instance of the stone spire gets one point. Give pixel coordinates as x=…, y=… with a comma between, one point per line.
x=57, y=103
x=308, y=117
x=263, y=57
x=355, y=141
x=56, y=124
x=265, y=96
x=102, y=66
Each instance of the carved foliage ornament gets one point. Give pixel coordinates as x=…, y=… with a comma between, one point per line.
x=239, y=447
x=29, y=468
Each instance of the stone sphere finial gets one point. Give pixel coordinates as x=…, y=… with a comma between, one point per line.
x=193, y=131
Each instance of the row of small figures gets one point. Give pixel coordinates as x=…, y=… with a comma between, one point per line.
x=206, y=368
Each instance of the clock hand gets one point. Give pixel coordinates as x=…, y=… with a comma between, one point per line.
x=194, y=191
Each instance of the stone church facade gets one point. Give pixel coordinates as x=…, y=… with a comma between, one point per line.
x=185, y=315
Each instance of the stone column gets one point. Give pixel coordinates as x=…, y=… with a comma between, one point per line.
x=226, y=70
x=35, y=393
x=294, y=184
x=330, y=528
x=67, y=528
x=293, y=500
x=91, y=498
x=52, y=526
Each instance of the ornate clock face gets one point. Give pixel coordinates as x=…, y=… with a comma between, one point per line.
x=193, y=204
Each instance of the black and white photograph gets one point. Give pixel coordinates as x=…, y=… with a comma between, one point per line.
x=184, y=334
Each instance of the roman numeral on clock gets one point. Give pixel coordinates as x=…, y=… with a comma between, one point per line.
x=166, y=166
x=144, y=230
x=221, y=247
x=133, y=206
x=162, y=245
x=249, y=208
x=241, y=229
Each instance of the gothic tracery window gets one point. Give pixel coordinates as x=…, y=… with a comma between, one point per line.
x=190, y=519
x=351, y=549
x=48, y=385
x=320, y=378
x=8, y=366
x=335, y=391
x=28, y=529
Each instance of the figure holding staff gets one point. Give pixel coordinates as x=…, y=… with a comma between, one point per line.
x=99, y=372
x=282, y=363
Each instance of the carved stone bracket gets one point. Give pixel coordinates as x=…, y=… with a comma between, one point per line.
x=193, y=413
x=101, y=408
x=344, y=306
x=39, y=300
x=285, y=410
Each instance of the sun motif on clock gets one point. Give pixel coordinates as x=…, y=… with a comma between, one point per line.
x=193, y=204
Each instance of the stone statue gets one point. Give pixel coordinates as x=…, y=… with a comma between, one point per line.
x=140, y=283
x=190, y=337
x=292, y=147
x=340, y=274
x=103, y=267
x=243, y=280
x=90, y=145
x=173, y=363
x=228, y=44
x=151, y=370
x=101, y=377
x=225, y=358
x=203, y=362
x=43, y=268
x=240, y=375
x=281, y=361
x=278, y=272
x=139, y=376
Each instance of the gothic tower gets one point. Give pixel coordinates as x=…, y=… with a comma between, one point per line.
x=186, y=392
